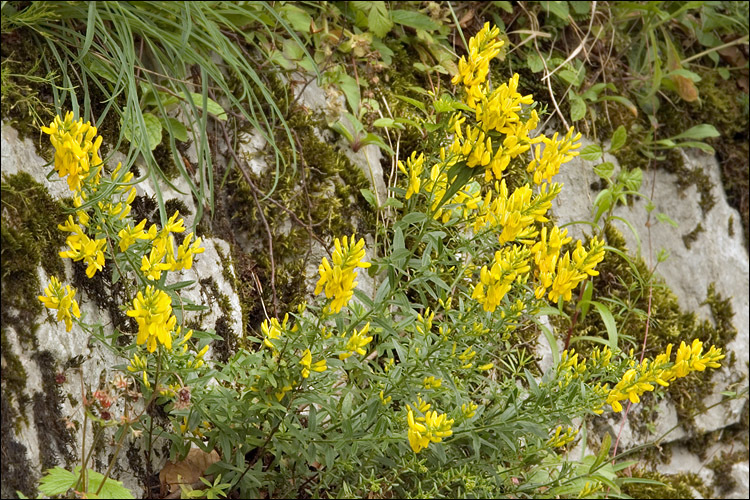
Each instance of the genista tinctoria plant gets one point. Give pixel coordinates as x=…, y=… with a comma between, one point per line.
x=427, y=388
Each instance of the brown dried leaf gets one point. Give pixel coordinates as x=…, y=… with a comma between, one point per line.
x=186, y=471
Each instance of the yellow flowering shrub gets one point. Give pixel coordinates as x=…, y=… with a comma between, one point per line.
x=338, y=396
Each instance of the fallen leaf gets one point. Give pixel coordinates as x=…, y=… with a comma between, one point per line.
x=186, y=471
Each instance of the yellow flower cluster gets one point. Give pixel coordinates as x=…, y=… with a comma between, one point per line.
x=546, y=164
x=571, y=272
x=338, y=280
x=357, y=342
x=510, y=264
x=81, y=247
x=162, y=256
x=662, y=371
x=431, y=427
x=76, y=149
x=153, y=313
x=308, y=365
x=272, y=330
x=560, y=438
x=473, y=71
x=416, y=166
x=55, y=297
x=516, y=213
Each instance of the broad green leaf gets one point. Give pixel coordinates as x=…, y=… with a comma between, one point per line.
x=580, y=7
x=298, y=18
x=618, y=139
x=369, y=197
x=379, y=20
x=631, y=179
x=577, y=108
x=592, y=152
x=211, y=106
x=132, y=130
x=57, y=481
x=534, y=62
x=622, y=100
x=179, y=131
x=414, y=19
x=558, y=8
x=698, y=145
x=349, y=87
x=605, y=170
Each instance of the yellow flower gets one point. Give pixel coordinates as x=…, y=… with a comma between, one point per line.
x=153, y=313
x=56, y=298
x=430, y=382
x=560, y=439
x=272, y=330
x=509, y=264
x=415, y=165
x=81, y=247
x=308, y=365
x=357, y=343
x=432, y=427
x=129, y=235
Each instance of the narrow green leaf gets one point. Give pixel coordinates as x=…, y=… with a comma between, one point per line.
x=609, y=323
x=698, y=132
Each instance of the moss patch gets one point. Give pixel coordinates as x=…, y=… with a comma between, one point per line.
x=29, y=238
x=675, y=486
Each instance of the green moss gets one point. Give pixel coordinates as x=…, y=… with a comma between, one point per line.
x=689, y=238
x=29, y=239
x=675, y=486
x=722, y=467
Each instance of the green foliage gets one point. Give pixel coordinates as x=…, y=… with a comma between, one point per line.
x=57, y=482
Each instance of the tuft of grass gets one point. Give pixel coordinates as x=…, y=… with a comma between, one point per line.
x=168, y=55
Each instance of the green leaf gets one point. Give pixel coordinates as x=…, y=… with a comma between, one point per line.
x=414, y=19
x=558, y=8
x=592, y=152
x=211, y=106
x=57, y=481
x=349, y=87
x=609, y=323
x=506, y=6
x=605, y=170
x=534, y=62
x=698, y=132
x=379, y=21
x=622, y=100
x=110, y=489
x=179, y=131
x=662, y=217
x=577, y=108
x=298, y=18
x=387, y=122
x=580, y=7
x=618, y=139
x=132, y=130
x=631, y=179
x=370, y=197
x=411, y=101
